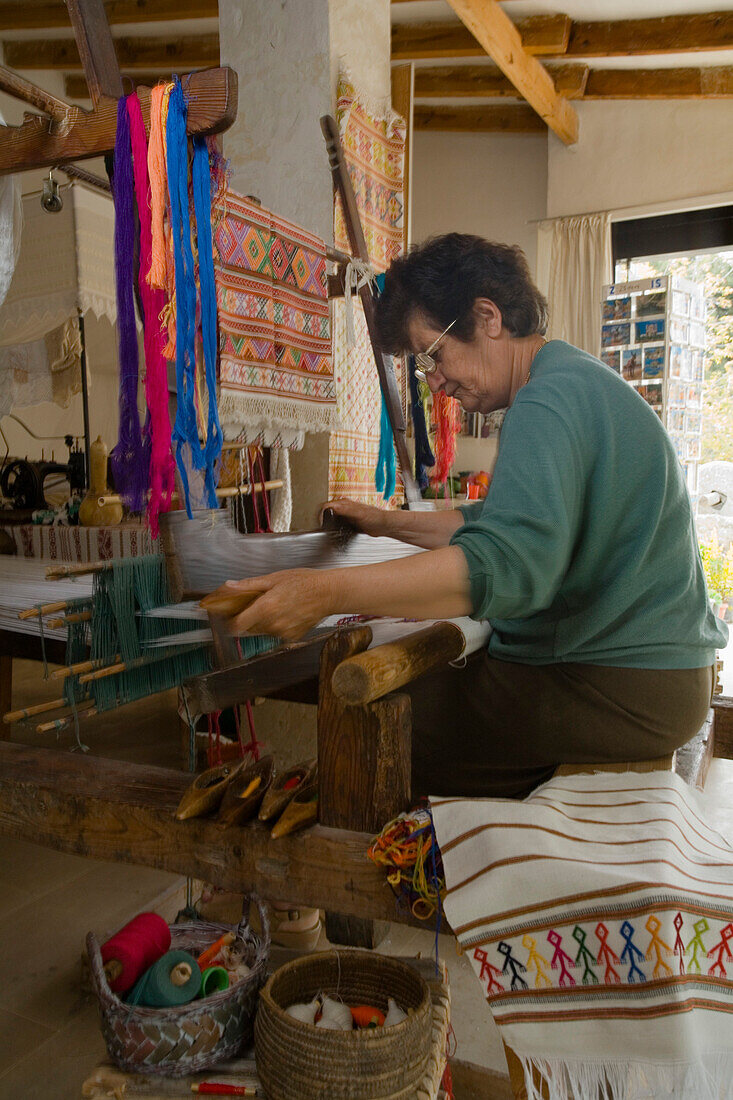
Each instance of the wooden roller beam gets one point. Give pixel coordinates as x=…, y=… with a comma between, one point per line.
x=373, y=674
x=114, y=810
x=212, y=97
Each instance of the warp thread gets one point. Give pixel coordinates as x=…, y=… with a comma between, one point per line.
x=162, y=467
x=137, y=945
x=130, y=457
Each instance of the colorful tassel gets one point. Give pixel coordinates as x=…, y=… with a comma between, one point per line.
x=385, y=475
x=424, y=457
x=130, y=458
x=162, y=466
x=447, y=417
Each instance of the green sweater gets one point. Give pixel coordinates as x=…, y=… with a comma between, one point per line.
x=585, y=547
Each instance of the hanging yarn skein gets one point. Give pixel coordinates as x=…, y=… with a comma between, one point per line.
x=385, y=475
x=424, y=457
x=162, y=467
x=156, y=276
x=131, y=457
x=185, y=429
x=202, y=205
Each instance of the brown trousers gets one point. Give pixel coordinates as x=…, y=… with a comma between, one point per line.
x=499, y=729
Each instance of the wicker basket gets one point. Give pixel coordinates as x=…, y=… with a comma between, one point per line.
x=297, y=1060
x=186, y=1038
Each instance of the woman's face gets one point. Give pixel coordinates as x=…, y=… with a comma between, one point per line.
x=477, y=373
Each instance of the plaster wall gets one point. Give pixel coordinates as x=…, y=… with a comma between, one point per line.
x=637, y=153
x=488, y=184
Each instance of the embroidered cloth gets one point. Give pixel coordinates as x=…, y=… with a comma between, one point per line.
x=598, y=916
x=374, y=148
x=276, y=377
x=79, y=544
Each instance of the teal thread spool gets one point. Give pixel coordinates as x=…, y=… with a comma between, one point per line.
x=175, y=979
x=214, y=980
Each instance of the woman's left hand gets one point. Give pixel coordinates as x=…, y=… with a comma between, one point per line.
x=291, y=604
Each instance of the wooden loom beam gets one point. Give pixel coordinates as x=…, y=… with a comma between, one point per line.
x=114, y=810
x=96, y=49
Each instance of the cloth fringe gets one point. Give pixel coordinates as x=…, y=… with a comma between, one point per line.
x=710, y=1078
x=282, y=499
x=274, y=413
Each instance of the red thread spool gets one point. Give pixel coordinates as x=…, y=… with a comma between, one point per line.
x=133, y=949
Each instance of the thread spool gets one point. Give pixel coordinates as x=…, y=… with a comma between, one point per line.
x=132, y=950
x=213, y=980
x=175, y=979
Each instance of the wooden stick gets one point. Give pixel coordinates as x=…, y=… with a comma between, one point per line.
x=62, y=723
x=75, y=670
x=136, y=662
x=19, y=88
x=223, y=493
x=37, y=708
x=76, y=569
x=376, y=672
x=45, y=609
x=75, y=617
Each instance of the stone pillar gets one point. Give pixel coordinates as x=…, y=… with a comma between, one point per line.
x=287, y=54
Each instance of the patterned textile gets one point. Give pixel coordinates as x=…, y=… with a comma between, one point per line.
x=374, y=152
x=276, y=379
x=598, y=916
x=56, y=543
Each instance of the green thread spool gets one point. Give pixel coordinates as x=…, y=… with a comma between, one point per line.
x=175, y=979
x=213, y=980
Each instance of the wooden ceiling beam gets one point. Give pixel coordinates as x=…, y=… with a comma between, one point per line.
x=484, y=120
x=43, y=14
x=712, y=83
x=75, y=85
x=636, y=37
x=540, y=35
x=488, y=82
x=212, y=97
x=501, y=40
x=181, y=54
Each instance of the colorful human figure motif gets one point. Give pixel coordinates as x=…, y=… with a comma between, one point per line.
x=585, y=955
x=560, y=959
x=513, y=964
x=657, y=946
x=679, y=947
x=536, y=962
x=488, y=973
x=607, y=956
x=722, y=950
x=695, y=946
x=631, y=953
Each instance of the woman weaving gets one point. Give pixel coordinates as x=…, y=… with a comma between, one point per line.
x=583, y=555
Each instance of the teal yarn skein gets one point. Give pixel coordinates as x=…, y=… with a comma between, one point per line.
x=157, y=989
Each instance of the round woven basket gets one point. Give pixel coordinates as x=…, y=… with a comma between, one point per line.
x=182, y=1039
x=297, y=1060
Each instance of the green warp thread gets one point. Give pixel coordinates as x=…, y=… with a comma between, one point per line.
x=121, y=630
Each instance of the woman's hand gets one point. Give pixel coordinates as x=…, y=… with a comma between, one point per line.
x=292, y=602
x=365, y=517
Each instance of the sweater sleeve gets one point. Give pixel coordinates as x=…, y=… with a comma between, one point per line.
x=471, y=511
x=519, y=547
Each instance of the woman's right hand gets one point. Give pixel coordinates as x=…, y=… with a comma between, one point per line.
x=364, y=517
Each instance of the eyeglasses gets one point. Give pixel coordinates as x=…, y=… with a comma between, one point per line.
x=425, y=363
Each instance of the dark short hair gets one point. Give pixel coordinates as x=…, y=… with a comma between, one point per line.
x=443, y=277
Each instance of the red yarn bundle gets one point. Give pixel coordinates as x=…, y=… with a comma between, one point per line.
x=140, y=943
x=447, y=420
